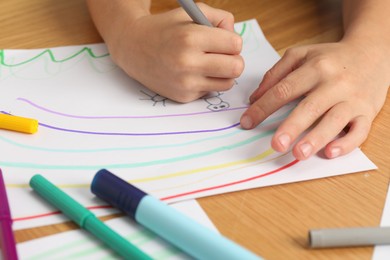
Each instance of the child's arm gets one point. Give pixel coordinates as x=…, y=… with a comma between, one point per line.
x=343, y=84
x=167, y=52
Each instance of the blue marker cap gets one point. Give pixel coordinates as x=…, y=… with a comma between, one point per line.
x=116, y=192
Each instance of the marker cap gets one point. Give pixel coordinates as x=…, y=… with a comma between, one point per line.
x=18, y=124
x=117, y=192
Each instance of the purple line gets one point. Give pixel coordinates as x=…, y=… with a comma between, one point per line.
x=139, y=134
x=123, y=117
x=134, y=134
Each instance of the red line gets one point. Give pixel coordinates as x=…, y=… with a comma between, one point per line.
x=174, y=196
x=233, y=183
x=56, y=213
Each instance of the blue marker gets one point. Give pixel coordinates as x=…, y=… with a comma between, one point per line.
x=186, y=234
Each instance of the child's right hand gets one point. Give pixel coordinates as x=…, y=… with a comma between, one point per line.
x=176, y=58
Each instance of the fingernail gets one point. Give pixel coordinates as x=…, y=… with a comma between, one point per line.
x=306, y=149
x=335, y=152
x=246, y=122
x=284, y=140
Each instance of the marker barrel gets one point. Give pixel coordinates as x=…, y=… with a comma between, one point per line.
x=193, y=238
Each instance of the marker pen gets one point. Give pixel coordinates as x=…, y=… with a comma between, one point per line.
x=7, y=239
x=349, y=237
x=178, y=229
x=85, y=218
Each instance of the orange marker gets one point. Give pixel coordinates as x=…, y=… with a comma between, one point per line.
x=18, y=124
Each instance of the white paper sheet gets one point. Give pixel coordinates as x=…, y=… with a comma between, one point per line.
x=93, y=116
x=79, y=244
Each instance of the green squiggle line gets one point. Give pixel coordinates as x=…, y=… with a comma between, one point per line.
x=53, y=58
x=138, y=164
x=51, y=55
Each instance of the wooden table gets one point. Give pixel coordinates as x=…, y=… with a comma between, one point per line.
x=271, y=221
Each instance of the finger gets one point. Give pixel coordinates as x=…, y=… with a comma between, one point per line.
x=222, y=66
x=289, y=88
x=290, y=61
x=307, y=112
x=215, y=40
x=331, y=125
x=357, y=133
x=218, y=17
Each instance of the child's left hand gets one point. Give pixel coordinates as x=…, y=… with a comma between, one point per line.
x=343, y=84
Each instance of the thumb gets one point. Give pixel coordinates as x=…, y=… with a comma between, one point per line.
x=218, y=17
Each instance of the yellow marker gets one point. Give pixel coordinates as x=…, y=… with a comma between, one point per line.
x=18, y=124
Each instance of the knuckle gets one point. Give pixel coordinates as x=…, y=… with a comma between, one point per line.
x=186, y=38
x=291, y=52
x=283, y=90
x=311, y=108
x=258, y=111
x=184, y=64
x=269, y=74
x=324, y=66
x=338, y=119
x=229, y=17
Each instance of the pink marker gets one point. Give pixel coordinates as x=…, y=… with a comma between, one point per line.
x=7, y=241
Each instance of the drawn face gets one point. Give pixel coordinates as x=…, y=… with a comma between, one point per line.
x=215, y=102
x=218, y=107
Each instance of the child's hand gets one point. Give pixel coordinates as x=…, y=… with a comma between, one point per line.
x=177, y=58
x=343, y=84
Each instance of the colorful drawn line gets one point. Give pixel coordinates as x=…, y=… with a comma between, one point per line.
x=266, y=122
x=149, y=147
x=137, y=164
x=50, y=53
x=222, y=173
x=140, y=134
x=231, y=183
x=181, y=173
x=135, y=134
x=284, y=167
x=140, y=238
x=259, y=157
x=58, y=212
x=124, y=117
x=153, y=133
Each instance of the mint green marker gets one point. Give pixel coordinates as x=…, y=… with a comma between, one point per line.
x=85, y=218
